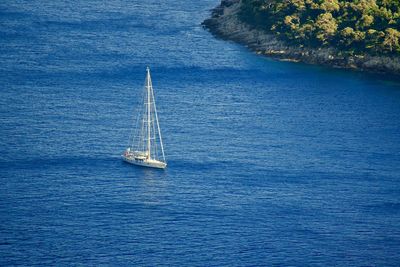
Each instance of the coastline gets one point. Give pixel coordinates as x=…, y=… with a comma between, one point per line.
x=226, y=24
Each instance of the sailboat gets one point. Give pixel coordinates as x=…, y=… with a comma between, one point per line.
x=145, y=146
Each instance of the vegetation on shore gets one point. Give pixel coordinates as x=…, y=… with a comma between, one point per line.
x=354, y=26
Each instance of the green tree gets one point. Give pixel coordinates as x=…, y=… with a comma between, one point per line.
x=292, y=22
x=366, y=21
x=330, y=5
x=306, y=32
x=347, y=35
x=327, y=27
x=391, y=41
x=364, y=6
x=298, y=5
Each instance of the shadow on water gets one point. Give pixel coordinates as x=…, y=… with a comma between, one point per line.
x=60, y=162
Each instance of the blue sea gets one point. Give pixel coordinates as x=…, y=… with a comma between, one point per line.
x=269, y=163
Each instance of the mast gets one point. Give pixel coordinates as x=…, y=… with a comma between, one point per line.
x=148, y=113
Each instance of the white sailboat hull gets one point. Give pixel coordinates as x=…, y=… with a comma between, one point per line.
x=151, y=163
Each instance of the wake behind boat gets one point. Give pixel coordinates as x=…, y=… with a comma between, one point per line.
x=145, y=144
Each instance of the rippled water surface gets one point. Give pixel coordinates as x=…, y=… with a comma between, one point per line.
x=270, y=163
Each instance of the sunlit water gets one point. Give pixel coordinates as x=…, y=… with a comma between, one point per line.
x=269, y=162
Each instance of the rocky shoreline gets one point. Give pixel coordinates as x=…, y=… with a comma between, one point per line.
x=225, y=23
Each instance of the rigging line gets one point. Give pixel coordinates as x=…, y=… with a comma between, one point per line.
x=154, y=136
x=139, y=126
x=158, y=127
x=143, y=125
x=136, y=138
x=135, y=121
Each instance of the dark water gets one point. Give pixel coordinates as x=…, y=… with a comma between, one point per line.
x=270, y=163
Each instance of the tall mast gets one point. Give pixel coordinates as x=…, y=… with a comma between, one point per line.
x=148, y=113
